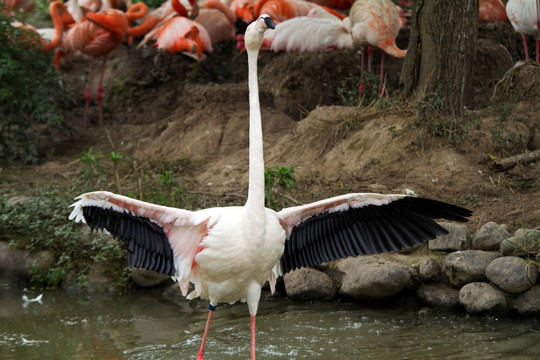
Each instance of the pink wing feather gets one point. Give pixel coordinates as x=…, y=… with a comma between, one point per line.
x=184, y=229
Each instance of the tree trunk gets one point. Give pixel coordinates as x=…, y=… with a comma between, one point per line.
x=441, y=52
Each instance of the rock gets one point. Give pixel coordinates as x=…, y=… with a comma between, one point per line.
x=462, y=267
x=489, y=237
x=459, y=238
x=378, y=188
x=429, y=269
x=370, y=278
x=14, y=263
x=524, y=242
x=18, y=199
x=439, y=296
x=481, y=297
x=512, y=274
x=145, y=278
x=309, y=284
x=528, y=303
x=99, y=282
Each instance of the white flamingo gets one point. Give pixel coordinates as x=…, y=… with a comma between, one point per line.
x=229, y=253
x=524, y=15
x=319, y=30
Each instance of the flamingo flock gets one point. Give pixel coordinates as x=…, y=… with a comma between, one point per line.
x=194, y=27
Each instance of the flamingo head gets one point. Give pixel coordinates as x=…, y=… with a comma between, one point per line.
x=254, y=35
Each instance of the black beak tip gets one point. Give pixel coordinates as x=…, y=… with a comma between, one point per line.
x=269, y=22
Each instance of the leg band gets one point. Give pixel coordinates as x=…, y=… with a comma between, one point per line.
x=212, y=307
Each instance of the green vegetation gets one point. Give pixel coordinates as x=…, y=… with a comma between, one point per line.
x=276, y=179
x=41, y=224
x=32, y=93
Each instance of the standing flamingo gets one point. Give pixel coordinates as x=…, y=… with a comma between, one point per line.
x=97, y=35
x=524, y=15
x=375, y=23
x=229, y=253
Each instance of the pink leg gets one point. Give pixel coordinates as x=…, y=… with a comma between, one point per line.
x=369, y=58
x=252, y=337
x=362, y=85
x=203, y=342
x=87, y=93
x=525, y=47
x=381, y=76
x=100, y=92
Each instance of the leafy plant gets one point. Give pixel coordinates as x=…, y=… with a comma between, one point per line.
x=32, y=92
x=115, y=159
x=40, y=223
x=93, y=173
x=277, y=178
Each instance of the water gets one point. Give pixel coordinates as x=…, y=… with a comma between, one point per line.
x=144, y=325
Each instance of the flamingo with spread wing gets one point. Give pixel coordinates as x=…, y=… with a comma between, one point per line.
x=228, y=253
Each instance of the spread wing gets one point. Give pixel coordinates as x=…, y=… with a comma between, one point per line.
x=359, y=224
x=157, y=238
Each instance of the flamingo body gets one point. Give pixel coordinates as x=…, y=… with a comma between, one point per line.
x=97, y=36
x=376, y=23
x=218, y=20
x=281, y=10
x=492, y=11
x=306, y=33
x=228, y=253
x=524, y=15
x=178, y=33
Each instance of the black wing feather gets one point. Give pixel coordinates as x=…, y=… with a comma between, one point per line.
x=370, y=229
x=146, y=242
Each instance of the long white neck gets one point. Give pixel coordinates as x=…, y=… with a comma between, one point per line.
x=255, y=200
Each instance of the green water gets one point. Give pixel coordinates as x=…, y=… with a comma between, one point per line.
x=144, y=325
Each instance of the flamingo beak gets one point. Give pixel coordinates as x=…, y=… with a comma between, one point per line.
x=269, y=22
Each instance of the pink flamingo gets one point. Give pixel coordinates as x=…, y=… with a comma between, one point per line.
x=281, y=10
x=97, y=35
x=180, y=33
x=375, y=23
x=335, y=4
x=492, y=11
x=218, y=19
x=524, y=15
x=229, y=253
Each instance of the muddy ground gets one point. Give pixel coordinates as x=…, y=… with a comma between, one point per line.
x=163, y=107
